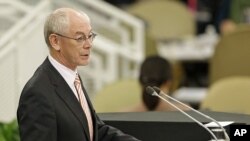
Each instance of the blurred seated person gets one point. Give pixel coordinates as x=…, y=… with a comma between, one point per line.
x=225, y=15
x=232, y=13
x=154, y=71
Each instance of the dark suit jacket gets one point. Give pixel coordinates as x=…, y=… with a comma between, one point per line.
x=49, y=111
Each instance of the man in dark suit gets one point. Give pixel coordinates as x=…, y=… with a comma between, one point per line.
x=52, y=106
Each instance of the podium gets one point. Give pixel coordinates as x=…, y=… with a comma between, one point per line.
x=168, y=126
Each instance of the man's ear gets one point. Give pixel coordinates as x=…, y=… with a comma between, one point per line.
x=54, y=42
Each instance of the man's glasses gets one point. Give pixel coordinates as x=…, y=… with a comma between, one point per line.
x=82, y=38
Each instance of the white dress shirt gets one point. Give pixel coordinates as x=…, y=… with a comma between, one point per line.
x=68, y=74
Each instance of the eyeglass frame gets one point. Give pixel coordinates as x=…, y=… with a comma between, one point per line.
x=79, y=40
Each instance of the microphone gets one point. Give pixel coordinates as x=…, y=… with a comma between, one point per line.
x=156, y=92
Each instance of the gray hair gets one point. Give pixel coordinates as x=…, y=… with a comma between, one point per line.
x=56, y=22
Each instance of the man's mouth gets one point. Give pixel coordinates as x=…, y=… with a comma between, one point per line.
x=84, y=54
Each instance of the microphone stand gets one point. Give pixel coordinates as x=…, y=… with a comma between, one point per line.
x=196, y=111
x=192, y=118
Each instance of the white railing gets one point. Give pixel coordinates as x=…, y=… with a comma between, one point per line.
x=20, y=25
x=17, y=54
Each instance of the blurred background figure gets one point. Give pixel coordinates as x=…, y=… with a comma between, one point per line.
x=235, y=12
x=154, y=71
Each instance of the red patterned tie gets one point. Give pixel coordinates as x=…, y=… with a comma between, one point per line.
x=84, y=104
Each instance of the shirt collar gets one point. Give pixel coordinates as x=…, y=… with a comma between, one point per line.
x=68, y=74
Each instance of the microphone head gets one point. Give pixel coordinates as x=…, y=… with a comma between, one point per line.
x=150, y=90
x=158, y=90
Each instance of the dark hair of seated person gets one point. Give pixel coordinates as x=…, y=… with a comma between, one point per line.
x=154, y=71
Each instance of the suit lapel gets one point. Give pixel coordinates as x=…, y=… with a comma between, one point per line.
x=73, y=104
x=68, y=97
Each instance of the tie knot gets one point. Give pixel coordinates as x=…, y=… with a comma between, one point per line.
x=77, y=79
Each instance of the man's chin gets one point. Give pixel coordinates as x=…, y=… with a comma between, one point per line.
x=84, y=63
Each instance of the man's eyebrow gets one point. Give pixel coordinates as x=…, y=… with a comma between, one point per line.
x=81, y=33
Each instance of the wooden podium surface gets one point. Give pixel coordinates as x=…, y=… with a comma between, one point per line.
x=168, y=126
